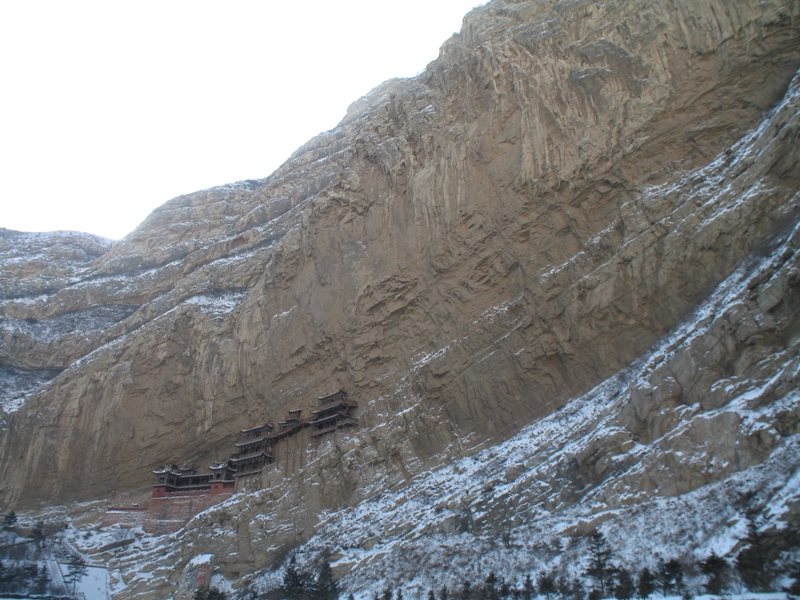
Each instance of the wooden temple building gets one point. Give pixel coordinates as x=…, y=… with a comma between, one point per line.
x=334, y=412
x=291, y=425
x=222, y=477
x=256, y=449
x=171, y=480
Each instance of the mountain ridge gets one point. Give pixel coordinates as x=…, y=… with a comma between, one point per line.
x=465, y=253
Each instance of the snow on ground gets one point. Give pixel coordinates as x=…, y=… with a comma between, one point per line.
x=450, y=524
x=16, y=383
x=518, y=507
x=94, y=585
x=75, y=323
x=200, y=559
x=224, y=302
x=98, y=539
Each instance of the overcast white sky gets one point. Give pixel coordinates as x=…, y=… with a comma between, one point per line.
x=109, y=109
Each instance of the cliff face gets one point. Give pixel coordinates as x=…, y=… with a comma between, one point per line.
x=464, y=253
x=667, y=457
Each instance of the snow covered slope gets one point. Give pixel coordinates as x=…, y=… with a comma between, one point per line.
x=662, y=468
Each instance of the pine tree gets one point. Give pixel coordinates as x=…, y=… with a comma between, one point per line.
x=205, y=592
x=76, y=570
x=645, y=584
x=793, y=590
x=292, y=584
x=570, y=589
x=399, y=594
x=675, y=570
x=624, y=589
x=10, y=579
x=663, y=580
x=466, y=590
x=387, y=593
x=528, y=591
x=546, y=584
x=577, y=590
x=42, y=582
x=716, y=569
x=10, y=519
x=669, y=576
x=431, y=595
x=30, y=572
x=600, y=570
x=505, y=535
x=326, y=588
x=564, y=586
x=490, y=587
x=753, y=562
x=444, y=594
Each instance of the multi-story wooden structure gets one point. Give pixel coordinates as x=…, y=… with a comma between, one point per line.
x=291, y=425
x=255, y=451
x=180, y=481
x=222, y=477
x=173, y=480
x=334, y=412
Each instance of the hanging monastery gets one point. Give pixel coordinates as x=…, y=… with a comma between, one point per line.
x=179, y=493
x=256, y=450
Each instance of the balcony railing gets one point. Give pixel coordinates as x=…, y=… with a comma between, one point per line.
x=344, y=422
x=250, y=471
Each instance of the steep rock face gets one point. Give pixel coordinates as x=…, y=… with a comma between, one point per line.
x=38, y=264
x=465, y=252
x=699, y=431
x=667, y=458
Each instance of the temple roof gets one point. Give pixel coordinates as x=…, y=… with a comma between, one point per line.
x=253, y=441
x=220, y=465
x=266, y=425
x=330, y=397
x=332, y=417
x=175, y=470
x=341, y=404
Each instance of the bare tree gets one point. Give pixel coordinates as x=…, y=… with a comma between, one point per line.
x=76, y=570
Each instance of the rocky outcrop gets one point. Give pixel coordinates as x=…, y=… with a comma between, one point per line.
x=667, y=458
x=696, y=434
x=464, y=253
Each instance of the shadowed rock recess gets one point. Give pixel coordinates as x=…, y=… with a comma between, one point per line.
x=465, y=253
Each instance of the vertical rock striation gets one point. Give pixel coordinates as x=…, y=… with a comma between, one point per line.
x=466, y=251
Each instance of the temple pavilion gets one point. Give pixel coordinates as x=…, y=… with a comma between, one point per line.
x=334, y=412
x=172, y=480
x=292, y=424
x=222, y=477
x=255, y=451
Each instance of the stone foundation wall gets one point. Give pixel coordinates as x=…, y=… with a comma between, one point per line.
x=163, y=515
